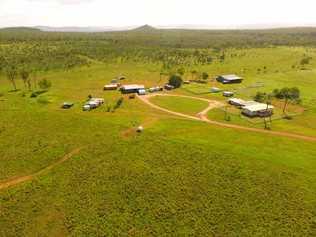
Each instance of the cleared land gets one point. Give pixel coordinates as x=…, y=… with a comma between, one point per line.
x=178, y=177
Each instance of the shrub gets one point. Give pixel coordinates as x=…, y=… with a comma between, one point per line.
x=44, y=84
x=175, y=80
x=118, y=104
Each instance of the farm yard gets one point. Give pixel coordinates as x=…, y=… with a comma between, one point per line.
x=69, y=172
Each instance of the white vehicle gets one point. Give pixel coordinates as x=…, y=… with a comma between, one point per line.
x=141, y=92
x=86, y=107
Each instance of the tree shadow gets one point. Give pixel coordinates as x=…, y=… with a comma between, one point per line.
x=13, y=91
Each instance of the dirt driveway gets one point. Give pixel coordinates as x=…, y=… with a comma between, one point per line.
x=202, y=116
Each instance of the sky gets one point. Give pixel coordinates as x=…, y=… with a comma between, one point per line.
x=118, y=13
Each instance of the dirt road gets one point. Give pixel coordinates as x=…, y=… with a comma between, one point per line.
x=202, y=116
x=12, y=182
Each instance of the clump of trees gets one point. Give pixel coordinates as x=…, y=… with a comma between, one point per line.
x=265, y=98
x=11, y=73
x=288, y=95
x=175, y=81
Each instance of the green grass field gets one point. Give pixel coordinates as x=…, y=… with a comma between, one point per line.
x=178, y=177
x=180, y=104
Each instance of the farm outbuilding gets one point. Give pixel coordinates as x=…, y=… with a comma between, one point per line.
x=127, y=89
x=155, y=89
x=240, y=102
x=229, y=79
x=110, y=87
x=141, y=92
x=93, y=103
x=258, y=110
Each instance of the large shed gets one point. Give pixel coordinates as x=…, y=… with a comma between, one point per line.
x=127, y=89
x=229, y=79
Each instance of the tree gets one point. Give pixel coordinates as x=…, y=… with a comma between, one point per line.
x=205, y=76
x=194, y=73
x=44, y=84
x=181, y=71
x=260, y=97
x=11, y=73
x=305, y=61
x=25, y=75
x=263, y=97
x=175, y=80
x=287, y=94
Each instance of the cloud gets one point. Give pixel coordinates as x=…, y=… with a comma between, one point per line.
x=64, y=1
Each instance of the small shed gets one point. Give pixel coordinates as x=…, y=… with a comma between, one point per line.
x=155, y=89
x=141, y=92
x=229, y=79
x=110, y=87
x=98, y=101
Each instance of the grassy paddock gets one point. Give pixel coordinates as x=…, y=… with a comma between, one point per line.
x=180, y=104
x=178, y=177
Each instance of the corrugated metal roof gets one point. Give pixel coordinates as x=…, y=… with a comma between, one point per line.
x=231, y=77
x=258, y=107
x=133, y=87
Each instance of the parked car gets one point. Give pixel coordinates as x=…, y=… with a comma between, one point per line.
x=215, y=90
x=67, y=105
x=228, y=93
x=169, y=87
x=86, y=107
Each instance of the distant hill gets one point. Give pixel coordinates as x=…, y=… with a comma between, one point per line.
x=145, y=28
x=19, y=29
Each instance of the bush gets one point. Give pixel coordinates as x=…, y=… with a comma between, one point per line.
x=260, y=97
x=175, y=80
x=118, y=104
x=44, y=84
x=205, y=76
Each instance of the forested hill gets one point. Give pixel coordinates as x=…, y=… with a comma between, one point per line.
x=174, y=38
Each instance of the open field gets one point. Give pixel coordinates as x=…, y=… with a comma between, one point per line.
x=180, y=104
x=92, y=174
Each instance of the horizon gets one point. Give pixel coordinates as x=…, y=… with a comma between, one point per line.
x=209, y=15
x=160, y=27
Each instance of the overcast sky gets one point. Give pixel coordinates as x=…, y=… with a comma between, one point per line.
x=156, y=12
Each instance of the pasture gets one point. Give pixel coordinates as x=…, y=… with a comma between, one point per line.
x=178, y=177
